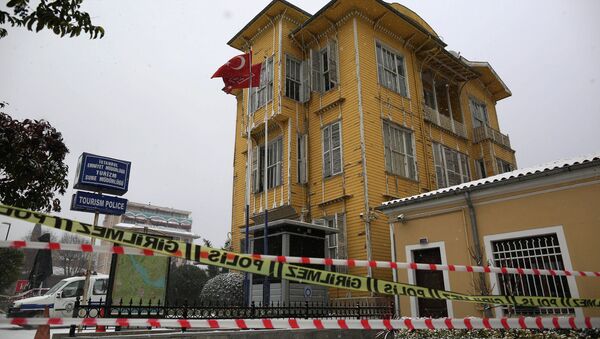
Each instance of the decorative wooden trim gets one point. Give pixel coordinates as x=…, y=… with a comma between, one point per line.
x=336, y=103
x=334, y=200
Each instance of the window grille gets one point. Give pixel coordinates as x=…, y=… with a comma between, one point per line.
x=399, y=150
x=391, y=70
x=541, y=252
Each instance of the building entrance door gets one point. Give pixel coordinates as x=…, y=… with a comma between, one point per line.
x=433, y=279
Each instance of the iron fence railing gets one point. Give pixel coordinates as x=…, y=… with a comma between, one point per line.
x=185, y=310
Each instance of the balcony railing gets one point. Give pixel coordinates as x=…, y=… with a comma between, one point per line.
x=444, y=122
x=486, y=132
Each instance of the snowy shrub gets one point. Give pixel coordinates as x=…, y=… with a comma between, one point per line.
x=224, y=289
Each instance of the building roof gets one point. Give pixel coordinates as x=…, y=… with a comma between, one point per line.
x=274, y=8
x=401, y=19
x=546, y=169
x=136, y=205
x=292, y=223
x=490, y=79
x=167, y=231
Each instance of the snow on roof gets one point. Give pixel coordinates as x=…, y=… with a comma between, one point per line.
x=160, y=229
x=547, y=167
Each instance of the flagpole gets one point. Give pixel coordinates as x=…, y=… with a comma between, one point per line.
x=266, y=285
x=248, y=184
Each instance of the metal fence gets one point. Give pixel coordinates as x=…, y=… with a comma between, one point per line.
x=185, y=310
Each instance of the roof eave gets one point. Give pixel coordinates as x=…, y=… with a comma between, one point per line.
x=384, y=4
x=232, y=41
x=566, y=168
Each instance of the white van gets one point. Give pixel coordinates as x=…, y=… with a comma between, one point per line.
x=60, y=299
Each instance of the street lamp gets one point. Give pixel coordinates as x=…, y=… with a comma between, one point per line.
x=8, y=231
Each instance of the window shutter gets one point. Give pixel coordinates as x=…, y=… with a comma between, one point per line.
x=304, y=81
x=255, y=177
x=333, y=57
x=401, y=75
x=279, y=161
x=474, y=114
x=316, y=70
x=326, y=152
x=342, y=246
x=302, y=159
x=270, y=72
x=336, y=151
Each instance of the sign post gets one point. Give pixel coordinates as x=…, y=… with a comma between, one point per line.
x=100, y=175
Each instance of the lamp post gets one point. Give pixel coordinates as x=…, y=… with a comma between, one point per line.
x=7, y=231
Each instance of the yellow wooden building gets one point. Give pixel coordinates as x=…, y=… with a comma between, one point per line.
x=543, y=217
x=361, y=103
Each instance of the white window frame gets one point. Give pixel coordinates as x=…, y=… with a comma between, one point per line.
x=444, y=165
x=332, y=222
x=412, y=277
x=481, y=172
x=382, y=68
x=388, y=148
x=326, y=133
x=258, y=164
x=264, y=93
x=500, y=163
x=275, y=163
x=294, y=77
x=329, y=66
x=562, y=241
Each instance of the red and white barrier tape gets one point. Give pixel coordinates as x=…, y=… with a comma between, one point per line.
x=315, y=261
x=55, y=246
x=292, y=323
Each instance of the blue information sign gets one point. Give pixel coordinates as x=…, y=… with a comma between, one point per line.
x=102, y=174
x=93, y=202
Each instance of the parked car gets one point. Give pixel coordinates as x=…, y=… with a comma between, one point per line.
x=60, y=299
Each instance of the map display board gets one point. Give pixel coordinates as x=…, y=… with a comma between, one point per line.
x=140, y=277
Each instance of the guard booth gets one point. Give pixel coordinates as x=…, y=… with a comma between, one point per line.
x=290, y=238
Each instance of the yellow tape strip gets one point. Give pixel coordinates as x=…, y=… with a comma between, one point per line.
x=247, y=263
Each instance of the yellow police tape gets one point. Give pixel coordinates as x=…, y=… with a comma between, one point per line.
x=247, y=263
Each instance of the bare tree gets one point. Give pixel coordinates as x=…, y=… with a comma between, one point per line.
x=71, y=262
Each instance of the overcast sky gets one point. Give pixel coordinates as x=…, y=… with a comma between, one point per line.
x=143, y=93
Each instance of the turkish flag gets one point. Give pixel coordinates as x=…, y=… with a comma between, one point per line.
x=243, y=81
x=236, y=66
x=236, y=73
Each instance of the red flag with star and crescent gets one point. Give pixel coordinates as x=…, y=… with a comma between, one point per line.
x=238, y=72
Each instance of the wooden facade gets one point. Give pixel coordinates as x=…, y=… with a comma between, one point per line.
x=362, y=106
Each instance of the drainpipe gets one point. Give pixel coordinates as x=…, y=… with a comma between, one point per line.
x=477, y=248
x=394, y=271
x=367, y=215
